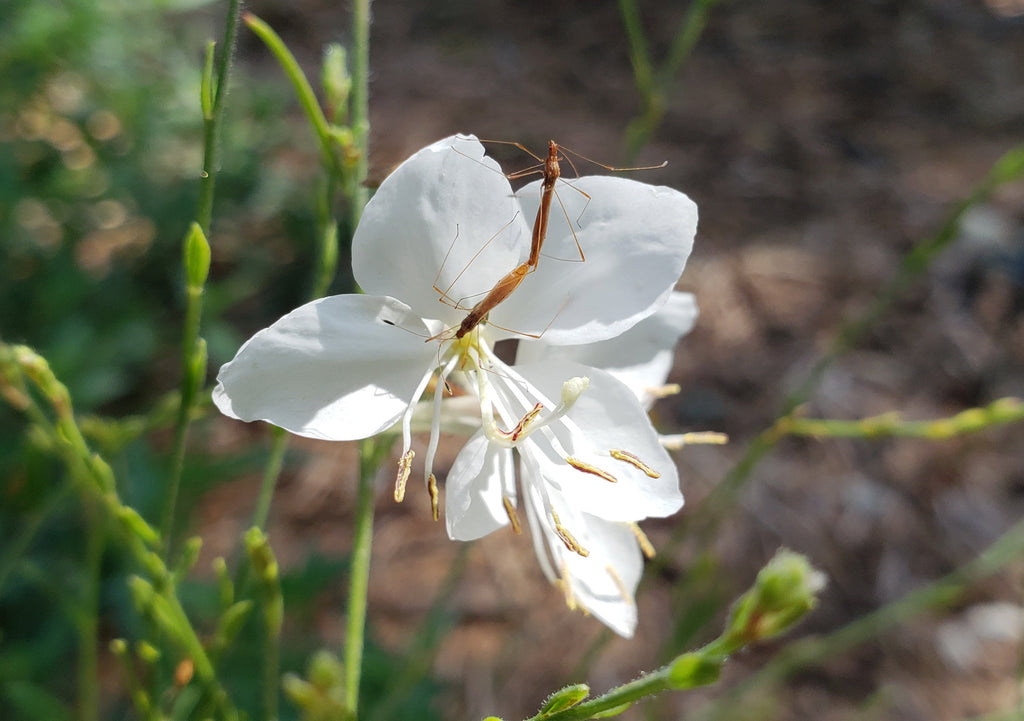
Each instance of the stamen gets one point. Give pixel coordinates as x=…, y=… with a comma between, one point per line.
x=432, y=489
x=404, y=469
x=587, y=468
x=567, y=538
x=566, y=587
x=665, y=391
x=514, y=434
x=634, y=461
x=677, y=441
x=435, y=421
x=513, y=518
x=645, y=543
x=618, y=582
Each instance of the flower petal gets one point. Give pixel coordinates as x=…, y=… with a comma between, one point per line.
x=641, y=357
x=610, y=417
x=605, y=581
x=436, y=212
x=474, y=490
x=636, y=239
x=339, y=368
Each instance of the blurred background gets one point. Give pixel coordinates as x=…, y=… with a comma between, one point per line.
x=820, y=141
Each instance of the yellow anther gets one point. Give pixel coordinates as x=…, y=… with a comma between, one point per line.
x=567, y=538
x=510, y=511
x=665, y=391
x=514, y=434
x=566, y=588
x=617, y=579
x=678, y=440
x=634, y=461
x=432, y=490
x=645, y=543
x=587, y=468
x=404, y=469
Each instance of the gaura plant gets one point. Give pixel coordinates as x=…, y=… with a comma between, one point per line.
x=446, y=225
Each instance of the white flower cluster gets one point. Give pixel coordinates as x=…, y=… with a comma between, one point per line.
x=593, y=336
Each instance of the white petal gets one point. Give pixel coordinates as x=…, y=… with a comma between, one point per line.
x=446, y=200
x=641, y=357
x=610, y=417
x=473, y=492
x=636, y=239
x=612, y=569
x=339, y=368
x=604, y=582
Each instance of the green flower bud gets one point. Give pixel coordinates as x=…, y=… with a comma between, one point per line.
x=336, y=82
x=564, y=698
x=197, y=257
x=785, y=590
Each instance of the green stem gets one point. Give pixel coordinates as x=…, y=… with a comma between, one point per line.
x=189, y=388
x=639, y=56
x=369, y=460
x=15, y=549
x=213, y=116
x=211, y=129
x=1009, y=167
x=95, y=479
x=89, y=622
x=271, y=473
x=360, y=105
x=304, y=91
x=939, y=594
x=653, y=85
x=1000, y=412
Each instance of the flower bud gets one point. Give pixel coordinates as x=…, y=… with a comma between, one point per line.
x=197, y=257
x=785, y=590
x=336, y=82
x=564, y=698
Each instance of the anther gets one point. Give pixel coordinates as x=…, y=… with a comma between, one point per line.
x=634, y=461
x=513, y=518
x=567, y=538
x=677, y=441
x=665, y=391
x=621, y=586
x=566, y=588
x=587, y=468
x=404, y=469
x=645, y=543
x=516, y=432
x=432, y=489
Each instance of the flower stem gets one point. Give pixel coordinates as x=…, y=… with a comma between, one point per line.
x=653, y=84
x=360, y=104
x=370, y=454
x=88, y=625
x=211, y=130
x=943, y=593
x=1007, y=168
x=270, y=475
x=212, y=103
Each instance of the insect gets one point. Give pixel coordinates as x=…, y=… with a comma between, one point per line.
x=551, y=171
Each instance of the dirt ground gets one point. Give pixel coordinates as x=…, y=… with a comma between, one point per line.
x=820, y=141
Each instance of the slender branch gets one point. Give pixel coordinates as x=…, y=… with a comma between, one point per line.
x=1000, y=412
x=369, y=459
x=940, y=594
x=360, y=105
x=1009, y=167
x=211, y=133
x=213, y=104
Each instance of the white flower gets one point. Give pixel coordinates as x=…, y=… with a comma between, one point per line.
x=604, y=581
x=446, y=221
